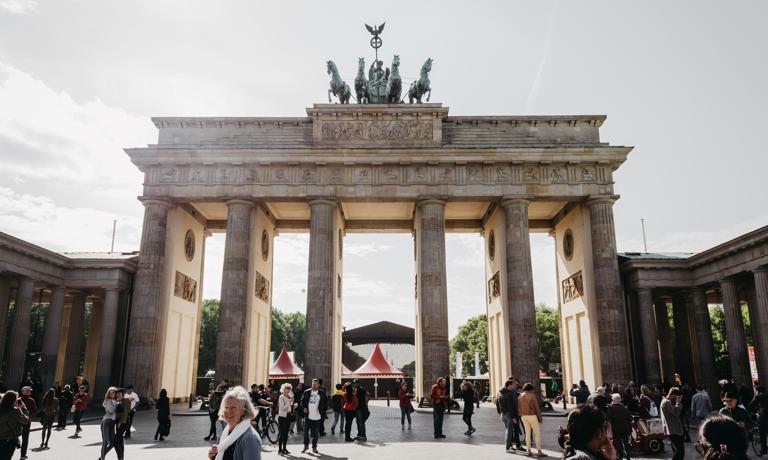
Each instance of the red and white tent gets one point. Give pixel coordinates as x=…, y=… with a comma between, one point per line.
x=345, y=372
x=284, y=367
x=377, y=366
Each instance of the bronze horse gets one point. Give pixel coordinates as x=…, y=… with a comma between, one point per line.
x=395, y=83
x=421, y=86
x=361, y=84
x=339, y=87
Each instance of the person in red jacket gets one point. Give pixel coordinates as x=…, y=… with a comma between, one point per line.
x=439, y=398
x=405, y=395
x=31, y=405
x=349, y=405
x=80, y=405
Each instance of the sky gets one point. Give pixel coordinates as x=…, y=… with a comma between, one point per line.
x=683, y=82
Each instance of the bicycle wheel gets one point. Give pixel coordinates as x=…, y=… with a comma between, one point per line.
x=755, y=441
x=272, y=431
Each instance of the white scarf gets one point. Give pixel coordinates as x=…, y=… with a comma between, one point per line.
x=227, y=438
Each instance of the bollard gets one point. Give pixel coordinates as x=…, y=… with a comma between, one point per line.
x=191, y=396
x=387, y=398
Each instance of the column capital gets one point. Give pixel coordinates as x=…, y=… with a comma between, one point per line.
x=323, y=201
x=510, y=200
x=601, y=199
x=430, y=200
x=117, y=289
x=235, y=201
x=727, y=282
x=59, y=289
x=760, y=270
x=155, y=201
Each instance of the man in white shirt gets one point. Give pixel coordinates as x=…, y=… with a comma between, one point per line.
x=130, y=394
x=314, y=403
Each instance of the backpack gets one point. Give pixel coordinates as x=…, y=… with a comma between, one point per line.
x=499, y=400
x=654, y=411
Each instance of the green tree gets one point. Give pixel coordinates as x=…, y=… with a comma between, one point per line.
x=471, y=337
x=548, y=331
x=209, y=327
x=717, y=317
x=289, y=330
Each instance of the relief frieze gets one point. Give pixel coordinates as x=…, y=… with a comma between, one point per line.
x=393, y=130
x=573, y=287
x=185, y=287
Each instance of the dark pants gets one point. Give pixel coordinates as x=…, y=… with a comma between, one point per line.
x=405, y=412
x=25, y=439
x=283, y=425
x=7, y=448
x=763, y=426
x=63, y=413
x=362, y=416
x=512, y=434
x=349, y=416
x=212, y=430
x=47, y=423
x=129, y=424
x=467, y=416
x=107, y=437
x=438, y=412
x=678, y=446
x=261, y=416
x=119, y=439
x=76, y=419
x=622, y=446
x=313, y=427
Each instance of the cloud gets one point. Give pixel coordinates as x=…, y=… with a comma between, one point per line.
x=365, y=249
x=20, y=6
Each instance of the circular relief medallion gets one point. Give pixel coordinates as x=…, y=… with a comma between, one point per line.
x=264, y=245
x=491, y=245
x=189, y=245
x=341, y=244
x=568, y=244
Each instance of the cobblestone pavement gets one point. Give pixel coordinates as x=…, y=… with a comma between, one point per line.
x=385, y=439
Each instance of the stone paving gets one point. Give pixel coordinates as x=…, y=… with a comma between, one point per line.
x=385, y=439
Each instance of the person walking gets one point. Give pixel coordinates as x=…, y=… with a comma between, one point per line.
x=349, y=406
x=163, y=416
x=701, y=405
x=671, y=406
x=760, y=405
x=239, y=441
x=338, y=417
x=81, y=405
x=405, y=396
x=298, y=419
x=14, y=416
x=214, y=406
x=468, y=396
x=66, y=398
x=587, y=435
x=314, y=404
x=31, y=405
x=506, y=406
x=122, y=414
x=477, y=388
x=284, y=412
x=362, y=410
x=108, y=421
x=530, y=413
x=48, y=416
x=439, y=398
x=135, y=400
x=620, y=420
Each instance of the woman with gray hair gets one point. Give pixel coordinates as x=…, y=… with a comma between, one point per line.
x=238, y=441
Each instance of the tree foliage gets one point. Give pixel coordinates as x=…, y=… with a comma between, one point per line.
x=209, y=327
x=717, y=317
x=471, y=337
x=548, y=331
x=289, y=330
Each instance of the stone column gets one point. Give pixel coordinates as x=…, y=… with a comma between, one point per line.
x=5, y=300
x=107, y=343
x=652, y=369
x=145, y=343
x=760, y=323
x=736, y=338
x=74, y=338
x=615, y=356
x=231, y=340
x=683, y=351
x=318, y=353
x=523, y=340
x=52, y=336
x=666, y=351
x=703, y=327
x=19, y=334
x=432, y=296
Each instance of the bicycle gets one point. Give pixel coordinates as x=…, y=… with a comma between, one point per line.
x=270, y=428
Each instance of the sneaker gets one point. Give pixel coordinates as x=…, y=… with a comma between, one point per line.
x=541, y=454
x=207, y=438
x=409, y=426
x=472, y=430
x=511, y=450
x=442, y=436
x=333, y=431
x=314, y=450
x=306, y=448
x=529, y=454
x=467, y=433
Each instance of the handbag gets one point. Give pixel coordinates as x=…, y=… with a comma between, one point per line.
x=73, y=409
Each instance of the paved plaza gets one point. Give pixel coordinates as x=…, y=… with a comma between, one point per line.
x=385, y=439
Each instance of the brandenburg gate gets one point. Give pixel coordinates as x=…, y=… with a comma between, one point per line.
x=375, y=168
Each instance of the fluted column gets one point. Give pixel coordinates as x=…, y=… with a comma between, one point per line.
x=107, y=343
x=142, y=364
x=74, y=347
x=760, y=323
x=683, y=351
x=615, y=357
x=703, y=327
x=231, y=340
x=523, y=340
x=318, y=353
x=5, y=300
x=52, y=336
x=736, y=338
x=432, y=296
x=666, y=351
x=650, y=339
x=19, y=334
